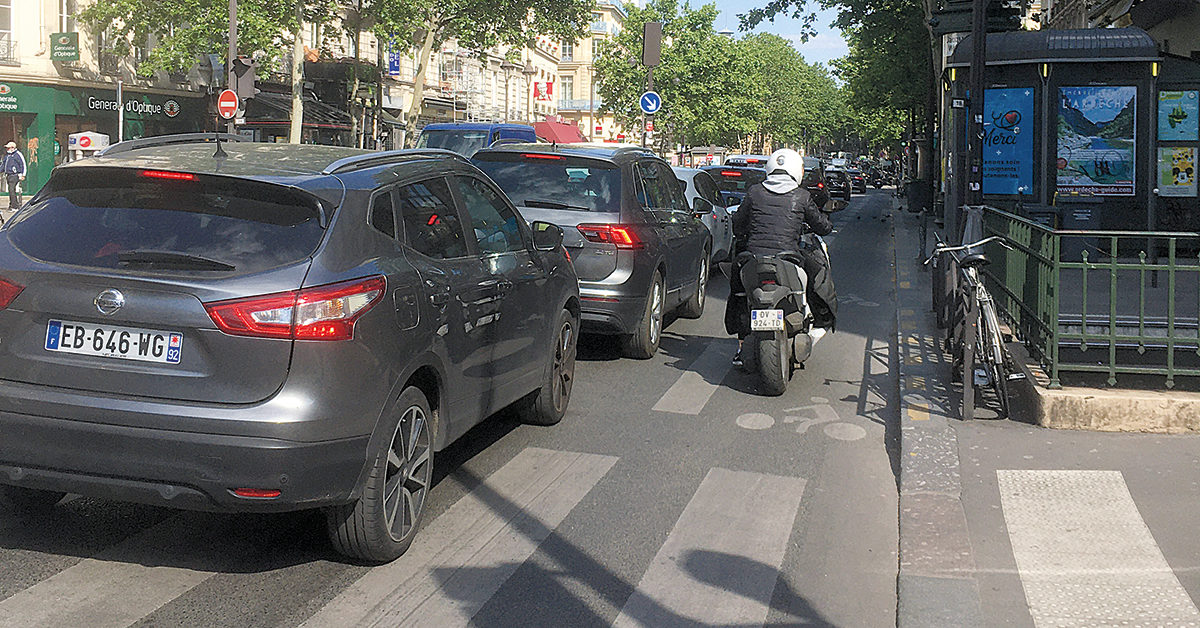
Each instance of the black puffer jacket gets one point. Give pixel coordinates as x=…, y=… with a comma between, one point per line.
x=767, y=223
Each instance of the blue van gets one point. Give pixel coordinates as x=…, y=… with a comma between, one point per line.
x=465, y=138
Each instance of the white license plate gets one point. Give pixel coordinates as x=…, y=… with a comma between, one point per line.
x=766, y=320
x=107, y=341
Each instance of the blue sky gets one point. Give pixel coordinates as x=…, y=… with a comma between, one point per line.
x=828, y=43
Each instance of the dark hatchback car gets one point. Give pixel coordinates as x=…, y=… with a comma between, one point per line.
x=282, y=328
x=733, y=181
x=638, y=249
x=858, y=182
x=839, y=183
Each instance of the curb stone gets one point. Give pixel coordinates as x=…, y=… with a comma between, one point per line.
x=936, y=584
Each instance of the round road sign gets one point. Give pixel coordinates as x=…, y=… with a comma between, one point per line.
x=227, y=104
x=650, y=102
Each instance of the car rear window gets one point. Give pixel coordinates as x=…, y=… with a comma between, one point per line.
x=461, y=141
x=150, y=220
x=737, y=179
x=556, y=181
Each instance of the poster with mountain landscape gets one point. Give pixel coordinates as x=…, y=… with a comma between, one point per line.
x=1096, y=140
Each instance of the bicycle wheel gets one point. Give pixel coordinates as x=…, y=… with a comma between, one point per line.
x=995, y=356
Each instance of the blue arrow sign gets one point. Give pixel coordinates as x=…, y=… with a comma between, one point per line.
x=650, y=102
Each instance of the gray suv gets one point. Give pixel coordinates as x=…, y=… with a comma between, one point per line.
x=638, y=249
x=271, y=328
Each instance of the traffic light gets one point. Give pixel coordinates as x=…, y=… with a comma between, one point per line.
x=241, y=78
x=955, y=16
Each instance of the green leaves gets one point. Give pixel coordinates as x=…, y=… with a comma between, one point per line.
x=718, y=90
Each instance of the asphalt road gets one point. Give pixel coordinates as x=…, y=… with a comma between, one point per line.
x=671, y=494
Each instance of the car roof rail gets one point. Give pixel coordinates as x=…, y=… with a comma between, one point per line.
x=167, y=140
x=367, y=160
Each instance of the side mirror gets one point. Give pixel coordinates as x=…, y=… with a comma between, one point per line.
x=700, y=206
x=546, y=236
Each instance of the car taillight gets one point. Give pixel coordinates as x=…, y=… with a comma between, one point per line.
x=820, y=186
x=537, y=156
x=622, y=236
x=730, y=173
x=320, y=313
x=8, y=292
x=163, y=174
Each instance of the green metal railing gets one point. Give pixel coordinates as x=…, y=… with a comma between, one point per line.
x=1108, y=302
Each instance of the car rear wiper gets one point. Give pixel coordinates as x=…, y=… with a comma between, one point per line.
x=170, y=259
x=537, y=202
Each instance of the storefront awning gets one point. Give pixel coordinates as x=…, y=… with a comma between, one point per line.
x=558, y=132
x=270, y=108
x=1065, y=46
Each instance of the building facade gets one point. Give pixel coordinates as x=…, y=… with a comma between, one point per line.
x=58, y=77
x=578, y=101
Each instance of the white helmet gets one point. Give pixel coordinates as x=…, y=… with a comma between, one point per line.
x=788, y=161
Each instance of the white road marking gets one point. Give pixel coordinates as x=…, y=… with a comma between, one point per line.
x=1084, y=554
x=755, y=421
x=720, y=564
x=845, y=431
x=691, y=392
x=462, y=558
x=120, y=586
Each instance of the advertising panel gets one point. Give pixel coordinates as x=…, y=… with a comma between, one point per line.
x=1097, y=129
x=1178, y=116
x=1008, y=141
x=1177, y=171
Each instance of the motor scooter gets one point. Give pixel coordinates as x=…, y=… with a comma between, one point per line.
x=782, y=334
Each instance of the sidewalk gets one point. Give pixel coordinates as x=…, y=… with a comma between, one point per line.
x=1006, y=524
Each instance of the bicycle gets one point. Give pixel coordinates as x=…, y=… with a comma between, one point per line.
x=979, y=321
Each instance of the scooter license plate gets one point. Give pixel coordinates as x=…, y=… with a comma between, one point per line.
x=766, y=320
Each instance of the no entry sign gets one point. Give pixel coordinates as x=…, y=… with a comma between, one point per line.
x=227, y=104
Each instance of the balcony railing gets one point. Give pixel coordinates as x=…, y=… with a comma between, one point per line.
x=600, y=26
x=579, y=104
x=8, y=50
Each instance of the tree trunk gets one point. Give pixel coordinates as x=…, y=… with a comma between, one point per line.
x=414, y=106
x=355, y=39
x=297, y=127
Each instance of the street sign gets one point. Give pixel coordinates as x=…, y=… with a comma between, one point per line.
x=650, y=102
x=649, y=126
x=227, y=104
x=958, y=103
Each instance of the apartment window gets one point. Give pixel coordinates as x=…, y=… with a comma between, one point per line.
x=6, y=24
x=568, y=50
x=596, y=48
x=66, y=16
x=566, y=87
x=597, y=16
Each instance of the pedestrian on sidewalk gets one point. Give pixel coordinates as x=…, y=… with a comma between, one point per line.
x=13, y=166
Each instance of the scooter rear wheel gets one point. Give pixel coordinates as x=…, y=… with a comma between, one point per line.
x=774, y=362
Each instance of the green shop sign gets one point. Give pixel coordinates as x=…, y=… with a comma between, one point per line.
x=64, y=47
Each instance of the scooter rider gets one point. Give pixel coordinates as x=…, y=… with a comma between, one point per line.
x=771, y=219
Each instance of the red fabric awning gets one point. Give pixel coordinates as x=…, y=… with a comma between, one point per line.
x=558, y=132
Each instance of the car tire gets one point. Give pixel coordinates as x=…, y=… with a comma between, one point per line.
x=846, y=196
x=643, y=343
x=380, y=525
x=694, y=306
x=548, y=404
x=30, y=499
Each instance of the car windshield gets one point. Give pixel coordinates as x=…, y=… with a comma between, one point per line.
x=737, y=179
x=556, y=181
x=143, y=220
x=461, y=141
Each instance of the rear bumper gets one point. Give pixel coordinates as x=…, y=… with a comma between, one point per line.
x=184, y=470
x=609, y=311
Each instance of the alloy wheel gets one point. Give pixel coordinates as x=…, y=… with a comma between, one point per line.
x=563, y=370
x=409, y=473
x=656, y=312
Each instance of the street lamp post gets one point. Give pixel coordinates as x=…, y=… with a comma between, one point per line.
x=507, y=67
x=528, y=71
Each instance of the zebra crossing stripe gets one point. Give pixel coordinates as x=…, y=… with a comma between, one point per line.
x=492, y=531
x=118, y=587
x=720, y=564
x=691, y=392
x=1084, y=554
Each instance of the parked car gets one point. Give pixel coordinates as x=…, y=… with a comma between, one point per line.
x=839, y=183
x=704, y=198
x=733, y=181
x=858, y=182
x=814, y=181
x=465, y=138
x=636, y=246
x=287, y=328
x=756, y=161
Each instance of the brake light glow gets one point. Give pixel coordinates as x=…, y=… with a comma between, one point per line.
x=730, y=173
x=820, y=186
x=623, y=236
x=8, y=292
x=257, y=493
x=163, y=174
x=753, y=161
x=537, y=156
x=320, y=313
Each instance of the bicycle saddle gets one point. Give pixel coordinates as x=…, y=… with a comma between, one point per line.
x=974, y=260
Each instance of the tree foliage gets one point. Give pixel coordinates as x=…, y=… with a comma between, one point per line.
x=755, y=93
